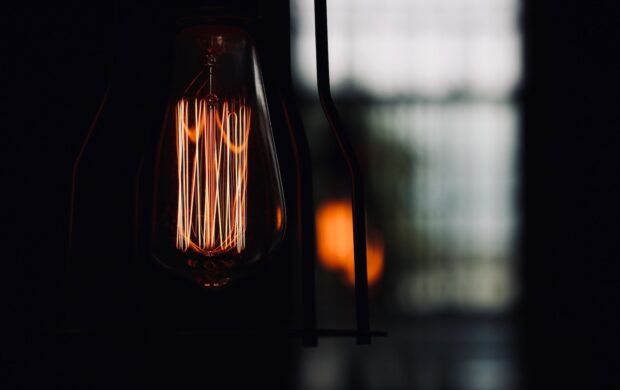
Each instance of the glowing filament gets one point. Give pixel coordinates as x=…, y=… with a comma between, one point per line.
x=212, y=166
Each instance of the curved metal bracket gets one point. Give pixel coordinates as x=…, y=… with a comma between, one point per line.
x=357, y=185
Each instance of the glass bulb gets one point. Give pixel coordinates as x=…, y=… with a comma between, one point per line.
x=219, y=208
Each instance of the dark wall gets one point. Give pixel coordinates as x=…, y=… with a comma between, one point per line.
x=572, y=272
x=55, y=68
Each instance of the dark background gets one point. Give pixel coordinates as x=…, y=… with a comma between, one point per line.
x=571, y=208
x=55, y=66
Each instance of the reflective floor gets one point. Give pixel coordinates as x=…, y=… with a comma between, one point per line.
x=424, y=354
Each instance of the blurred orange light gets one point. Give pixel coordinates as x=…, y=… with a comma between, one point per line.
x=334, y=227
x=279, y=218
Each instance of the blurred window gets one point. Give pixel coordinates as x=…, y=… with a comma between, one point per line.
x=435, y=80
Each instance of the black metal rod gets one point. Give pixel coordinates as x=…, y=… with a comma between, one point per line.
x=305, y=218
x=205, y=334
x=357, y=184
x=304, y=229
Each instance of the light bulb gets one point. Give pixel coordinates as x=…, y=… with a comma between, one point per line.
x=219, y=207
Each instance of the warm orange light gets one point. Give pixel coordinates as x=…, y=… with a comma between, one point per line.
x=212, y=163
x=218, y=205
x=279, y=218
x=334, y=225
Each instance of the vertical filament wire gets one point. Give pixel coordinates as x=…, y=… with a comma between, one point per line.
x=212, y=169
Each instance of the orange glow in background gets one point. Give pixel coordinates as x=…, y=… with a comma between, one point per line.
x=334, y=234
